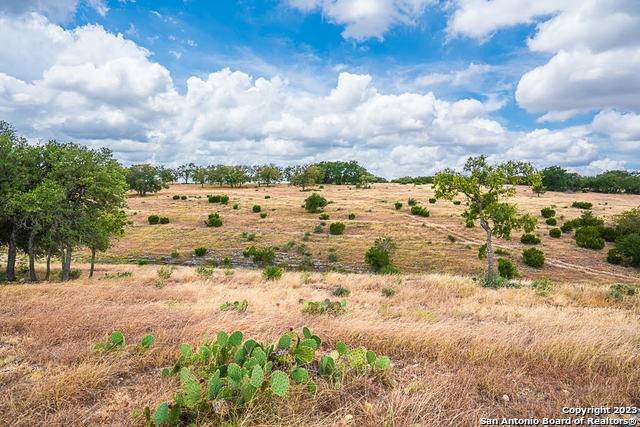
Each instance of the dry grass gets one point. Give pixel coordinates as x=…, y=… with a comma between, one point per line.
x=457, y=349
x=423, y=244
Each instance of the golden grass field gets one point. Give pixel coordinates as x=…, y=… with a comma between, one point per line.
x=460, y=352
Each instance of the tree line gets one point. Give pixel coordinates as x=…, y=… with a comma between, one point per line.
x=57, y=197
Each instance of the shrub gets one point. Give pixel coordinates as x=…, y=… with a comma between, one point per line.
x=235, y=206
x=213, y=220
x=628, y=222
x=398, y=205
x=183, y=197
x=551, y=221
x=614, y=257
x=542, y=287
x=306, y=236
x=529, y=239
x=609, y=234
x=420, y=211
x=567, y=227
x=619, y=291
x=256, y=208
x=389, y=269
x=379, y=255
x=582, y=205
x=548, y=212
x=352, y=216
x=589, y=237
x=332, y=256
x=533, y=257
x=334, y=308
x=262, y=256
x=496, y=282
x=314, y=203
x=412, y=202
x=556, y=233
x=239, y=306
x=482, y=251
x=432, y=200
x=317, y=229
x=324, y=216
x=287, y=246
x=224, y=376
x=175, y=254
x=140, y=262
x=388, y=292
x=153, y=219
x=176, y=197
x=629, y=246
x=164, y=272
x=271, y=272
x=451, y=238
x=201, y=251
x=201, y=270
x=469, y=223
x=340, y=291
x=267, y=197
x=506, y=268
x=457, y=202
x=336, y=228
x=263, y=215
x=163, y=220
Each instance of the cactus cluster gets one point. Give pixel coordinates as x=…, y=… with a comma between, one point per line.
x=334, y=308
x=116, y=341
x=240, y=306
x=222, y=376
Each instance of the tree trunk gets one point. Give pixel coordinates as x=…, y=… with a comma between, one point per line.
x=63, y=261
x=93, y=261
x=32, y=258
x=11, y=256
x=487, y=229
x=68, y=261
x=47, y=274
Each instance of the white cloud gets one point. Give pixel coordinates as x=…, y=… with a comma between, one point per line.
x=56, y=10
x=101, y=89
x=364, y=19
x=471, y=74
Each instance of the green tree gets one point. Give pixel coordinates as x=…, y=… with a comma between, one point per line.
x=101, y=229
x=145, y=178
x=185, y=171
x=486, y=187
x=305, y=176
x=200, y=175
x=268, y=174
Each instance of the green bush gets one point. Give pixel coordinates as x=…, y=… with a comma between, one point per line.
x=629, y=246
x=164, y=272
x=432, y=200
x=256, y=208
x=619, y=291
x=263, y=215
x=389, y=269
x=203, y=271
x=235, y=207
x=614, y=257
x=218, y=198
x=506, y=268
x=332, y=256
x=153, y=219
x=262, y=256
x=175, y=254
x=334, y=308
x=482, y=251
x=115, y=341
x=398, y=205
x=340, y=291
x=271, y=272
x=542, y=287
x=201, y=251
x=451, y=238
x=556, y=233
x=529, y=239
x=314, y=203
x=163, y=220
x=589, y=237
x=533, y=257
x=317, y=229
x=628, y=222
x=351, y=216
x=582, y=205
x=609, y=234
x=140, y=262
x=221, y=378
x=420, y=211
x=379, y=255
x=457, y=202
x=548, y=212
x=388, y=292
x=551, y=221
x=267, y=197
x=214, y=220
x=412, y=202
x=324, y=216
x=183, y=197
x=336, y=228
x=239, y=306
x=176, y=197
x=567, y=227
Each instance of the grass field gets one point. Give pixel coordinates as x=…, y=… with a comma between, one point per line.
x=459, y=352
x=424, y=244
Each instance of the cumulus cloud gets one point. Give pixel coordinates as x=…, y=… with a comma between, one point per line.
x=98, y=88
x=364, y=19
x=56, y=10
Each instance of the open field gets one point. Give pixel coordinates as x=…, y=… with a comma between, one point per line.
x=423, y=243
x=460, y=352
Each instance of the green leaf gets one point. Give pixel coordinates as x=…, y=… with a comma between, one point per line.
x=249, y=345
x=312, y=387
x=215, y=385
x=327, y=364
x=222, y=339
x=248, y=391
x=240, y=356
x=279, y=383
x=306, y=332
x=300, y=375
x=234, y=372
x=284, y=342
x=305, y=355
x=341, y=347
x=235, y=338
x=147, y=341
x=371, y=357
x=117, y=339
x=185, y=349
x=259, y=354
x=382, y=363
x=161, y=415
x=257, y=377
x=311, y=343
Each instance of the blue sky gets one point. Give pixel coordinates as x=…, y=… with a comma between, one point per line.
x=403, y=86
